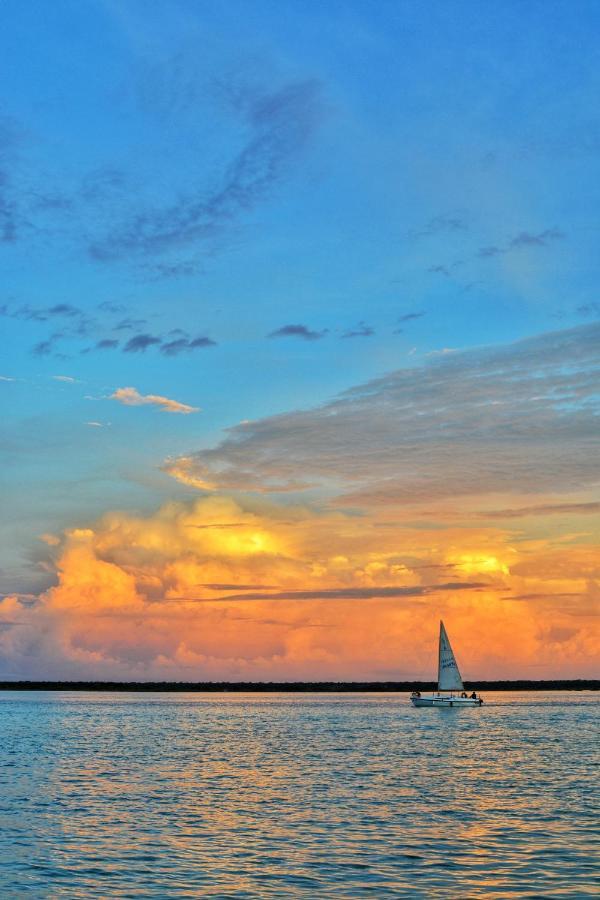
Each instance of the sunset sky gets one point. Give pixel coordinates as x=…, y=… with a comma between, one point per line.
x=300, y=336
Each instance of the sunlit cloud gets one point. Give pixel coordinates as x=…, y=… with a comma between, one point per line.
x=293, y=592
x=129, y=396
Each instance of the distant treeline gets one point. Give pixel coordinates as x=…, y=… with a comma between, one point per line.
x=579, y=684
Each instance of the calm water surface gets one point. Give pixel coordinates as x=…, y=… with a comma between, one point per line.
x=296, y=795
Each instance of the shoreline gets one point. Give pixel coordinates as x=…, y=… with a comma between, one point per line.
x=321, y=687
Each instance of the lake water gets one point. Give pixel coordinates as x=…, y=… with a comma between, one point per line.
x=297, y=795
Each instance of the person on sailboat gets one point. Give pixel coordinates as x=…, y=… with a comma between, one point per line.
x=473, y=696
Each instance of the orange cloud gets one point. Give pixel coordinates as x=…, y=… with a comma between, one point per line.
x=218, y=589
x=129, y=396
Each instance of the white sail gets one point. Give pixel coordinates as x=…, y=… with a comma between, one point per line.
x=448, y=674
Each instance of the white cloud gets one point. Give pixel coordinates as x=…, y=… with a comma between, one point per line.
x=129, y=396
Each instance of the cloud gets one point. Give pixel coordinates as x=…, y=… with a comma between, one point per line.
x=140, y=343
x=379, y=592
x=6, y=378
x=546, y=509
x=361, y=330
x=45, y=348
x=64, y=309
x=163, y=595
x=185, y=345
x=513, y=419
x=588, y=309
x=439, y=270
x=444, y=224
x=129, y=396
x=523, y=240
x=541, y=239
x=67, y=378
x=42, y=313
x=281, y=124
x=12, y=220
x=106, y=344
x=299, y=331
x=110, y=307
x=408, y=317
x=129, y=324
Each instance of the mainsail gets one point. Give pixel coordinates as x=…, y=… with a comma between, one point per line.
x=448, y=674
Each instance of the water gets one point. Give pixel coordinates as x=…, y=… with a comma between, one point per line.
x=295, y=795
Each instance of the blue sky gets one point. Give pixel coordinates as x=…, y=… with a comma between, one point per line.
x=249, y=208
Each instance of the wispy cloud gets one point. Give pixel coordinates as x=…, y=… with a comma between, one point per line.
x=541, y=239
x=522, y=241
x=440, y=225
x=186, y=345
x=281, y=125
x=299, y=331
x=129, y=396
x=129, y=324
x=41, y=313
x=545, y=509
x=408, y=317
x=66, y=378
x=139, y=343
x=12, y=220
x=361, y=330
x=379, y=592
x=588, y=309
x=48, y=346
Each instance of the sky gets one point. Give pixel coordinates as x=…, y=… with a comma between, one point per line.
x=300, y=336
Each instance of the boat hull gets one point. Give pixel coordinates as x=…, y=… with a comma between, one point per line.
x=446, y=702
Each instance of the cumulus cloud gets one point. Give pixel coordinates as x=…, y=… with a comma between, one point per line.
x=320, y=595
x=520, y=418
x=129, y=396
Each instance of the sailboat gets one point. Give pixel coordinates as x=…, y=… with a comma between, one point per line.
x=451, y=690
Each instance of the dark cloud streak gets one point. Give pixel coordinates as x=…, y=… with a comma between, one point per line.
x=281, y=125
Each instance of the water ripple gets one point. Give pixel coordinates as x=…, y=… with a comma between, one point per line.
x=289, y=796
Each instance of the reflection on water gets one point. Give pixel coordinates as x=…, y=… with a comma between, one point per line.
x=279, y=795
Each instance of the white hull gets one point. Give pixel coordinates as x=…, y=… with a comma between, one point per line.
x=446, y=701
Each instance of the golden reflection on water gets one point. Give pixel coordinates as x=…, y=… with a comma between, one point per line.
x=296, y=796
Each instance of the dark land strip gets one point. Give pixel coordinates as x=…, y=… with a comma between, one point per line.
x=321, y=687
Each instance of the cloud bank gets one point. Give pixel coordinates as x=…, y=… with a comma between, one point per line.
x=294, y=593
x=514, y=419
